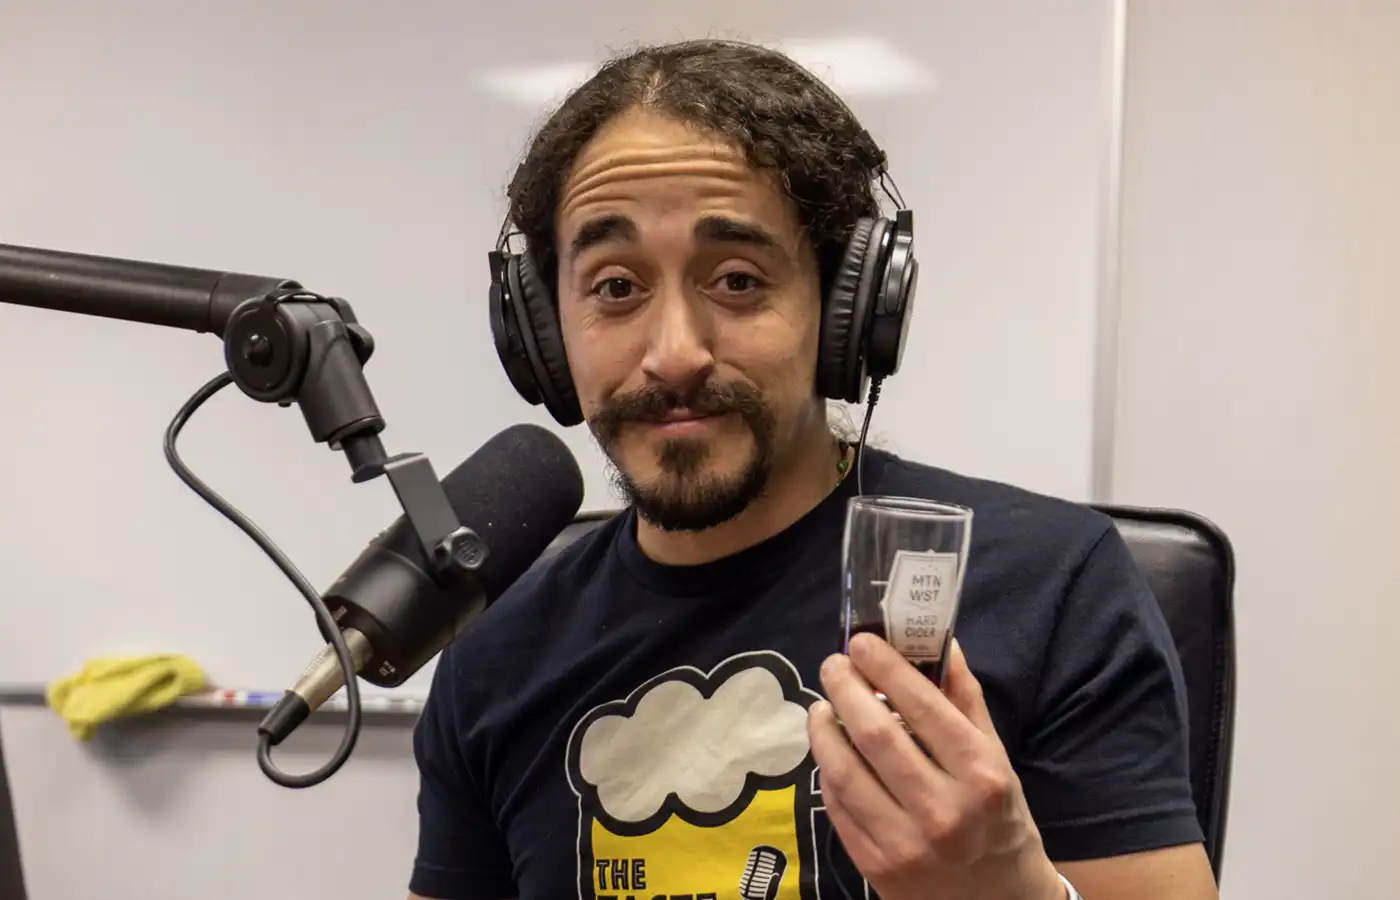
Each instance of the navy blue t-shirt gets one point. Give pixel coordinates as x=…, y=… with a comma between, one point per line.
x=617, y=728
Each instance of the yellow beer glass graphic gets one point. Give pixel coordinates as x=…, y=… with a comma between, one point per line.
x=690, y=788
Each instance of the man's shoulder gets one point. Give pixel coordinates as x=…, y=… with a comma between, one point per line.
x=572, y=560
x=1002, y=512
x=540, y=599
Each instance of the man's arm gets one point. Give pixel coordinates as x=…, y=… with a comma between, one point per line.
x=1101, y=794
x=957, y=818
x=461, y=853
x=1106, y=769
x=1173, y=873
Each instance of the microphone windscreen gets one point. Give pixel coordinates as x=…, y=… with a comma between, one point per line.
x=518, y=491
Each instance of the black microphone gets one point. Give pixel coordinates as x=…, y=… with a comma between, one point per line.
x=513, y=497
x=422, y=579
x=173, y=296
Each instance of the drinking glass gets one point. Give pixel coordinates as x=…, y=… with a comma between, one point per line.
x=902, y=571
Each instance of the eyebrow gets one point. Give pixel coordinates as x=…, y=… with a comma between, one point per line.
x=716, y=229
x=612, y=228
x=724, y=230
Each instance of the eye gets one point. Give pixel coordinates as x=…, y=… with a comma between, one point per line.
x=739, y=283
x=614, y=290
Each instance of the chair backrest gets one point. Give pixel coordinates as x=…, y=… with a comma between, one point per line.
x=1189, y=564
x=11, y=875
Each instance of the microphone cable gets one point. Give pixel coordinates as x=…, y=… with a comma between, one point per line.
x=323, y=615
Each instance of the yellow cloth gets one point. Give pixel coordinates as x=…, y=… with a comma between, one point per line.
x=110, y=687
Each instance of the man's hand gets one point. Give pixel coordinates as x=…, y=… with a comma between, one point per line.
x=950, y=823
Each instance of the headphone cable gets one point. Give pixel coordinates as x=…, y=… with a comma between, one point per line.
x=871, y=400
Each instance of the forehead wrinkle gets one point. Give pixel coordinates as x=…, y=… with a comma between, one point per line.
x=636, y=152
x=609, y=172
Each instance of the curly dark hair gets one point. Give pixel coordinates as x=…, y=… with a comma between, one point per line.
x=780, y=115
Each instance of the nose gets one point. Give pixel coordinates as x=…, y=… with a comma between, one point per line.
x=680, y=348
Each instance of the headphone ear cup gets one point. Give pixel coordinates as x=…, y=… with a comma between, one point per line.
x=506, y=334
x=837, y=315
x=849, y=301
x=544, y=344
x=894, y=301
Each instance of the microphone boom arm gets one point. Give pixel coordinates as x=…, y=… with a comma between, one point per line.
x=282, y=344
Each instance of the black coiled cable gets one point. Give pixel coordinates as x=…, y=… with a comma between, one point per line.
x=323, y=615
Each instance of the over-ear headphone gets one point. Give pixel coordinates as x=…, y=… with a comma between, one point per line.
x=865, y=319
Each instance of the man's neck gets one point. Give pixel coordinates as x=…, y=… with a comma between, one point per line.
x=794, y=488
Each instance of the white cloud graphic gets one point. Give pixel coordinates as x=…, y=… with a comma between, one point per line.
x=700, y=750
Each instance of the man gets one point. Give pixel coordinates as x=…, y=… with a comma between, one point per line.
x=654, y=713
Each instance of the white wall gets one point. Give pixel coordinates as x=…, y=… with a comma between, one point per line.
x=1260, y=385
x=1259, y=381
x=174, y=808
x=362, y=147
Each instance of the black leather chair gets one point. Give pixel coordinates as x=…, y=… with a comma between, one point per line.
x=1190, y=566
x=11, y=876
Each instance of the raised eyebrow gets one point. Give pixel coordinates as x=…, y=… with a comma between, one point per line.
x=610, y=228
x=724, y=230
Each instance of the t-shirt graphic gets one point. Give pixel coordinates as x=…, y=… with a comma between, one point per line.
x=700, y=785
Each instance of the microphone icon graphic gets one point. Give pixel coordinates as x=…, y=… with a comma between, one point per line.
x=762, y=873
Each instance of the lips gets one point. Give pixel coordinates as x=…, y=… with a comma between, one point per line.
x=679, y=422
x=683, y=415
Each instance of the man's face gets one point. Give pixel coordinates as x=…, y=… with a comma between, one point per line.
x=690, y=308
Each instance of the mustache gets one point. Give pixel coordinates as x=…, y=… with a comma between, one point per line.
x=653, y=402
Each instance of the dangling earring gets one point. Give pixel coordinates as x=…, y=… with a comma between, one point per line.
x=843, y=464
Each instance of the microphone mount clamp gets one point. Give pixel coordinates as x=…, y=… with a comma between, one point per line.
x=294, y=346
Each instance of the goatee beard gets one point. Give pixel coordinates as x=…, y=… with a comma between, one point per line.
x=684, y=497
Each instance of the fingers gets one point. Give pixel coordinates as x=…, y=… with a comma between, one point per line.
x=964, y=690
x=898, y=761
x=863, y=850
x=846, y=780
x=950, y=736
